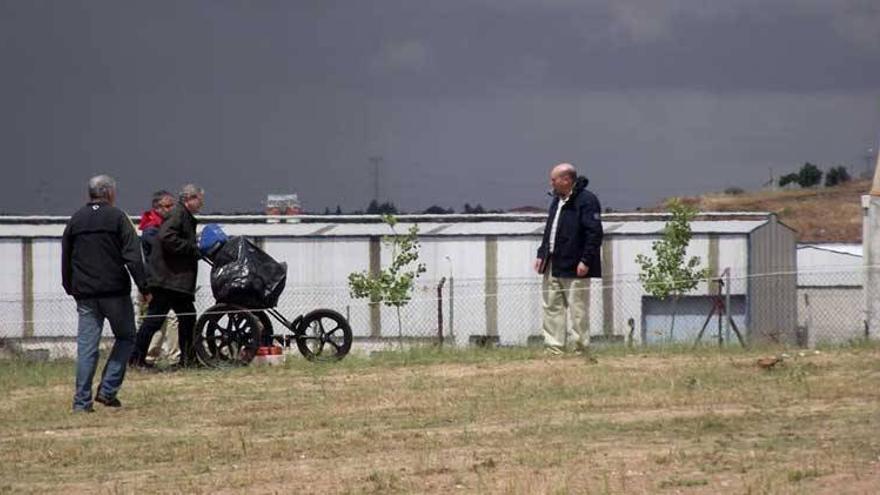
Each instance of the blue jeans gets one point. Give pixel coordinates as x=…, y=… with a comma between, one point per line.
x=92, y=313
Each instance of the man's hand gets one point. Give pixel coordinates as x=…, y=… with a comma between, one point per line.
x=582, y=270
x=537, y=265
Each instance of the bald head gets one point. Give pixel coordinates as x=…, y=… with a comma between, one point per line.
x=565, y=169
x=562, y=179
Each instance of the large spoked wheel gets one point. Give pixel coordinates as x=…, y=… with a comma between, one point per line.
x=227, y=335
x=267, y=335
x=324, y=335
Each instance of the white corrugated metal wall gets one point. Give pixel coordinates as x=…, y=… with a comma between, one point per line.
x=321, y=255
x=830, y=282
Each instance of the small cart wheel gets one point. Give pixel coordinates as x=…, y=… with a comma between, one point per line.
x=227, y=335
x=324, y=335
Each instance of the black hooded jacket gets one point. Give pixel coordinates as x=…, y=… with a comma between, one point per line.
x=578, y=234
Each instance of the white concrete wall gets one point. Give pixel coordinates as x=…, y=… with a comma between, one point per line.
x=54, y=311
x=467, y=263
x=519, y=296
x=733, y=253
x=819, y=267
x=10, y=288
x=317, y=277
x=835, y=315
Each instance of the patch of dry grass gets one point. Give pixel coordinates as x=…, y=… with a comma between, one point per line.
x=818, y=215
x=440, y=422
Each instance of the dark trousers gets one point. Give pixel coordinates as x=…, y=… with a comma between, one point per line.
x=164, y=301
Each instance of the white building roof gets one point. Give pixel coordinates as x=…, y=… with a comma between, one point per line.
x=847, y=249
x=429, y=226
x=743, y=227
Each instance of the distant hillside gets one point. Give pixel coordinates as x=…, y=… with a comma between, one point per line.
x=831, y=214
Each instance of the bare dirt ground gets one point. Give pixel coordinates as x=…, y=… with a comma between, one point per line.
x=710, y=422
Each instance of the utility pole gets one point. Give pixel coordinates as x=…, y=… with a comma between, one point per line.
x=375, y=161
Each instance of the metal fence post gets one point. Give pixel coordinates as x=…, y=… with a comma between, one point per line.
x=727, y=304
x=440, y=310
x=805, y=339
x=27, y=287
x=451, y=308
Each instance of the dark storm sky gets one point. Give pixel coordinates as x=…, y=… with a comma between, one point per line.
x=465, y=100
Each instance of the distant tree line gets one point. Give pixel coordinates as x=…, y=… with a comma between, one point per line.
x=811, y=176
x=389, y=208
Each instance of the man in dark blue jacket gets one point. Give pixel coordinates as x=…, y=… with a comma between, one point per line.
x=100, y=251
x=569, y=256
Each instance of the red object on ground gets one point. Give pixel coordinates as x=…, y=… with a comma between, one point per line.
x=273, y=350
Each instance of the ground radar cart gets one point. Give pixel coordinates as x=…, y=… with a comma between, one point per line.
x=246, y=283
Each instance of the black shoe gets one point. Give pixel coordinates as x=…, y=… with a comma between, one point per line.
x=82, y=410
x=108, y=401
x=135, y=359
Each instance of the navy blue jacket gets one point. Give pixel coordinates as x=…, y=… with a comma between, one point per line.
x=578, y=234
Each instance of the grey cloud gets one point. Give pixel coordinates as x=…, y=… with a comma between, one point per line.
x=467, y=100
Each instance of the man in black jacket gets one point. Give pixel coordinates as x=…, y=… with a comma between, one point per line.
x=172, y=278
x=569, y=256
x=100, y=251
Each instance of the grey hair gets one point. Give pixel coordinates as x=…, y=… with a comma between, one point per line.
x=189, y=191
x=101, y=187
x=158, y=195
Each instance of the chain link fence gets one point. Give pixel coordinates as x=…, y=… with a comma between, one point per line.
x=827, y=307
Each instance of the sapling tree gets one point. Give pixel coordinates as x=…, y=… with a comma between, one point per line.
x=668, y=274
x=392, y=285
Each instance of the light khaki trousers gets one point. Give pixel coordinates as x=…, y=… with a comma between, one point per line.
x=566, y=320
x=164, y=345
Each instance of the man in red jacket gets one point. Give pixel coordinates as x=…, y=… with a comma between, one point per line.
x=163, y=345
x=163, y=202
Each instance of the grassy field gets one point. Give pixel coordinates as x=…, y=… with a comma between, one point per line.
x=490, y=421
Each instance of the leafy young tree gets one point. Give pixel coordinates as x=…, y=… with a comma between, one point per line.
x=836, y=176
x=393, y=285
x=668, y=274
x=788, y=179
x=809, y=175
x=734, y=191
x=437, y=210
x=386, y=208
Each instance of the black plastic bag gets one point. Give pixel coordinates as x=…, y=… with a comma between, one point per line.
x=245, y=275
